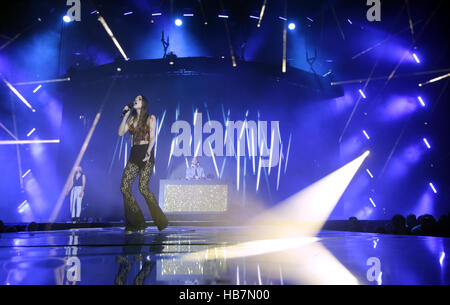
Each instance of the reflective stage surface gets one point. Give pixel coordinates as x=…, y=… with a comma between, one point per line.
x=219, y=255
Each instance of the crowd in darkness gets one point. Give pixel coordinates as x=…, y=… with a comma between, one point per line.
x=411, y=225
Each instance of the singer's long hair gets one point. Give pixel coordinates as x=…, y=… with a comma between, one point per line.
x=142, y=120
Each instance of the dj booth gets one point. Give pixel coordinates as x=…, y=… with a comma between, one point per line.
x=194, y=196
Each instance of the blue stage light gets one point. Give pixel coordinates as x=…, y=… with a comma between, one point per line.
x=291, y=26
x=67, y=19
x=178, y=22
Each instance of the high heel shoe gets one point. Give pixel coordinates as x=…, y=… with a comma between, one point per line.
x=162, y=225
x=128, y=232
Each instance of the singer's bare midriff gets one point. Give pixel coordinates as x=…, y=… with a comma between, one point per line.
x=143, y=143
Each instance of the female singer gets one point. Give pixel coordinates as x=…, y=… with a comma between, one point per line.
x=142, y=159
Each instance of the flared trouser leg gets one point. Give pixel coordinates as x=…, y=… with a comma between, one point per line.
x=134, y=220
x=157, y=214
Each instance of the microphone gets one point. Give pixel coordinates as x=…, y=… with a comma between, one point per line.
x=130, y=106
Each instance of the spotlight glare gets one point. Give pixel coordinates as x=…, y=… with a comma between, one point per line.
x=178, y=22
x=67, y=19
x=291, y=26
x=362, y=94
x=366, y=135
x=416, y=58
x=433, y=188
x=441, y=258
x=421, y=101
x=23, y=206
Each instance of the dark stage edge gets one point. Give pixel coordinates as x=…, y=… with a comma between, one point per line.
x=333, y=225
x=223, y=255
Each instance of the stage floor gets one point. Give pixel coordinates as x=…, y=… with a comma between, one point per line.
x=219, y=255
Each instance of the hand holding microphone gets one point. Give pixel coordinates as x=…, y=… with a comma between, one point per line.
x=126, y=109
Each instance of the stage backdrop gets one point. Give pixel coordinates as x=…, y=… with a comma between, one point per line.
x=264, y=134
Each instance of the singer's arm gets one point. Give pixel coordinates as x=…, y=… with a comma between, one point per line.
x=123, y=128
x=152, y=124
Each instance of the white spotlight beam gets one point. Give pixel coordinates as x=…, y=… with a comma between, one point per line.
x=80, y=156
x=110, y=33
x=8, y=131
x=307, y=210
x=58, y=80
x=24, y=142
x=17, y=93
x=261, y=13
x=435, y=79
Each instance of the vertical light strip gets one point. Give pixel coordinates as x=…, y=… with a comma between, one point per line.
x=259, y=275
x=271, y=149
x=172, y=146
x=283, y=65
x=214, y=159
x=259, y=172
x=279, y=166
x=261, y=13
x=126, y=153
x=238, y=164
x=287, y=154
